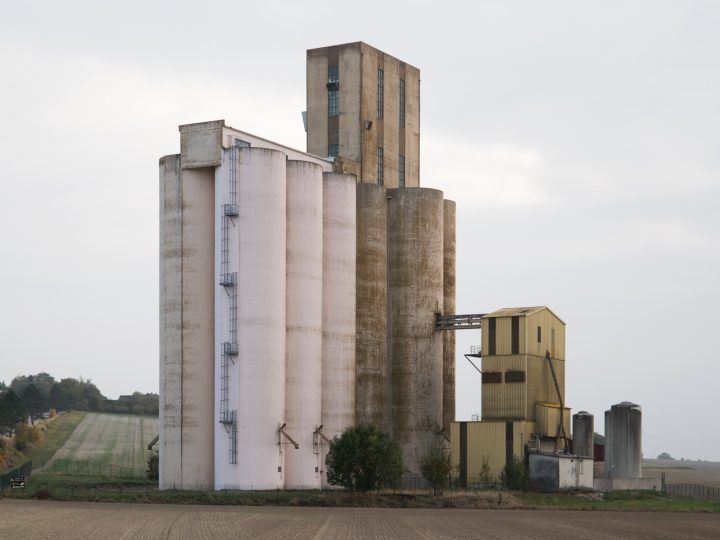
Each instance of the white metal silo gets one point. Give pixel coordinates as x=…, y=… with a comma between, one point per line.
x=339, y=241
x=304, y=345
x=250, y=318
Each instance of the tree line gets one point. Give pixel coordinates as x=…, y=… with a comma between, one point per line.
x=29, y=396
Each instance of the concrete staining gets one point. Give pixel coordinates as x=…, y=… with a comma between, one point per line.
x=448, y=308
x=338, y=313
x=304, y=321
x=415, y=276
x=623, y=441
x=327, y=290
x=371, y=352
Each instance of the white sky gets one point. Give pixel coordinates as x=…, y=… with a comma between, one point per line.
x=579, y=139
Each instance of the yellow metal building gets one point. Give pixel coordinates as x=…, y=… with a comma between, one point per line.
x=520, y=402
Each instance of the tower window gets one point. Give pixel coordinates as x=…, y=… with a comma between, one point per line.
x=333, y=87
x=380, y=93
x=401, y=171
x=539, y=335
x=515, y=336
x=380, y=167
x=333, y=150
x=402, y=102
x=492, y=336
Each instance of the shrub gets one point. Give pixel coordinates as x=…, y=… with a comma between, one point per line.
x=153, y=466
x=26, y=437
x=485, y=477
x=436, y=468
x=515, y=474
x=364, y=458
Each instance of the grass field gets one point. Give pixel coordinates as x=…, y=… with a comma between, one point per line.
x=683, y=472
x=106, y=445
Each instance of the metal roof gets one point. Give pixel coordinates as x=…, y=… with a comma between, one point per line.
x=521, y=312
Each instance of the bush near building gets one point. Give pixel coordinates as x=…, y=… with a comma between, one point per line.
x=364, y=458
x=436, y=467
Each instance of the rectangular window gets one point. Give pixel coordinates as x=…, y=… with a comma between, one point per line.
x=380, y=166
x=515, y=336
x=401, y=171
x=333, y=87
x=539, y=335
x=333, y=150
x=492, y=335
x=512, y=376
x=491, y=377
x=402, y=102
x=380, y=93
x=239, y=143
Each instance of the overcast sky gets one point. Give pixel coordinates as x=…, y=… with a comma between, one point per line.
x=581, y=141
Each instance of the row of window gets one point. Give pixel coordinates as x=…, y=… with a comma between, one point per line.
x=333, y=86
x=511, y=376
x=380, y=157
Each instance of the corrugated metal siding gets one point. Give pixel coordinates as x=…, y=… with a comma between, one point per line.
x=548, y=420
x=503, y=400
x=486, y=441
x=548, y=322
x=540, y=386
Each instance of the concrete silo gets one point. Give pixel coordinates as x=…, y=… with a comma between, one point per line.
x=251, y=331
x=582, y=431
x=339, y=256
x=303, y=388
x=448, y=338
x=186, y=325
x=415, y=230
x=623, y=441
x=371, y=405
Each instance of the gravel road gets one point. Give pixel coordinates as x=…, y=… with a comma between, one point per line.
x=54, y=520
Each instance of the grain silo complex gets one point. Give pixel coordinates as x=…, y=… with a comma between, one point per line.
x=299, y=290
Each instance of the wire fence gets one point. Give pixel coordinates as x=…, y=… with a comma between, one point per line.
x=696, y=491
x=22, y=471
x=90, y=468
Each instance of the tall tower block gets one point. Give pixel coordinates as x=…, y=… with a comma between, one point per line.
x=363, y=109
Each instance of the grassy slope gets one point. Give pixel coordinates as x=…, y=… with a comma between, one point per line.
x=58, y=431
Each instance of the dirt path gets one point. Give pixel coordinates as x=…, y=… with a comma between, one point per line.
x=105, y=441
x=52, y=520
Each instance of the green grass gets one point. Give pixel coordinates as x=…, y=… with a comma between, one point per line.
x=58, y=431
x=111, y=445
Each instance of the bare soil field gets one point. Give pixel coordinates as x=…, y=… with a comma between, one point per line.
x=106, y=444
x=683, y=472
x=52, y=520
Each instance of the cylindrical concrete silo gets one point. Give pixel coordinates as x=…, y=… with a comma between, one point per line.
x=257, y=373
x=448, y=337
x=415, y=229
x=339, y=256
x=371, y=323
x=626, y=440
x=583, y=430
x=303, y=398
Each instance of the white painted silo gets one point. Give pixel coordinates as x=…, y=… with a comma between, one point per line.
x=304, y=346
x=256, y=374
x=339, y=240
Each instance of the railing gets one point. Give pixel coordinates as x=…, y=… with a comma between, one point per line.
x=696, y=491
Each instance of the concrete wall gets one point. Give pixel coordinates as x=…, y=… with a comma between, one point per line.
x=339, y=275
x=371, y=405
x=358, y=64
x=187, y=325
x=448, y=309
x=555, y=472
x=621, y=484
x=303, y=398
x=415, y=229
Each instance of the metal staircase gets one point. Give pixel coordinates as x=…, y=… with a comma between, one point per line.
x=229, y=281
